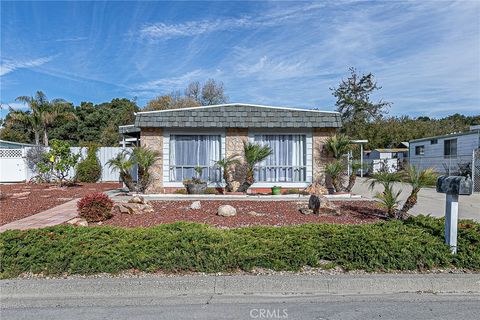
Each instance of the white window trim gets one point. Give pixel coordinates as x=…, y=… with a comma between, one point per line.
x=167, y=132
x=309, y=156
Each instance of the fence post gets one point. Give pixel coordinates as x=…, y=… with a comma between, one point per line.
x=473, y=170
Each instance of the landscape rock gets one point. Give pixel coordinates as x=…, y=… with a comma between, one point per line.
x=255, y=214
x=78, y=222
x=196, y=205
x=306, y=211
x=235, y=185
x=138, y=199
x=132, y=208
x=226, y=211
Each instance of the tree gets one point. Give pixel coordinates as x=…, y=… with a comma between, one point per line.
x=354, y=102
x=253, y=154
x=417, y=179
x=213, y=93
x=338, y=145
x=145, y=159
x=58, y=161
x=41, y=115
x=159, y=103
x=123, y=164
x=389, y=200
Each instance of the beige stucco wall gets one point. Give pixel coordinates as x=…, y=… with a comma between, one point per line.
x=320, y=156
x=152, y=138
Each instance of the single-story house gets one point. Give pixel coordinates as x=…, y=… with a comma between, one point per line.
x=445, y=153
x=392, y=158
x=4, y=144
x=200, y=136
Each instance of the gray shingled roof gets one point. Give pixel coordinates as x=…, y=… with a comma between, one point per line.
x=128, y=129
x=238, y=116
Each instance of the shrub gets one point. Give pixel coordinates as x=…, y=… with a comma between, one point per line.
x=89, y=169
x=211, y=191
x=180, y=191
x=416, y=244
x=95, y=207
x=35, y=158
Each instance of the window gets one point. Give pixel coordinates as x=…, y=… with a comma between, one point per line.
x=190, y=151
x=434, y=141
x=450, y=148
x=419, y=150
x=287, y=163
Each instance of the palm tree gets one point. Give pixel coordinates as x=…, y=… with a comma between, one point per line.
x=253, y=153
x=144, y=158
x=417, y=179
x=123, y=163
x=389, y=200
x=41, y=115
x=338, y=145
x=384, y=178
x=226, y=165
x=334, y=169
x=353, y=175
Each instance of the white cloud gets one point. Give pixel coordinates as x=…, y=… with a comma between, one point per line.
x=8, y=65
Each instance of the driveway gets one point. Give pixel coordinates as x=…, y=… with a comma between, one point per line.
x=429, y=201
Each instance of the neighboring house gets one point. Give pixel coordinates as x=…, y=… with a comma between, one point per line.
x=392, y=159
x=446, y=154
x=200, y=136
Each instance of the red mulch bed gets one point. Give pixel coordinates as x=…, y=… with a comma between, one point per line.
x=22, y=200
x=276, y=213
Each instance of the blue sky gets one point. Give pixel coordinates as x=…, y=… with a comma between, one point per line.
x=426, y=55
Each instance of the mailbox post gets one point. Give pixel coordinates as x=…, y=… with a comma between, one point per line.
x=453, y=186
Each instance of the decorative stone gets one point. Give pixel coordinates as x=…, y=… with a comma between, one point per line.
x=255, y=214
x=196, y=205
x=314, y=203
x=78, y=222
x=235, y=185
x=306, y=211
x=132, y=208
x=226, y=211
x=137, y=199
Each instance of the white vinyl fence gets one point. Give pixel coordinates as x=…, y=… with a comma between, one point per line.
x=13, y=164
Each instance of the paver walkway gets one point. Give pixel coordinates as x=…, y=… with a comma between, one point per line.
x=50, y=217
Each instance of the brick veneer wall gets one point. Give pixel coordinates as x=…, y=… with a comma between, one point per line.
x=320, y=156
x=152, y=138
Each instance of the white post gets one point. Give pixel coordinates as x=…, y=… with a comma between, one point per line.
x=361, y=160
x=123, y=142
x=451, y=220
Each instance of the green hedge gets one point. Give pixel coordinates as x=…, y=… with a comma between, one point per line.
x=414, y=245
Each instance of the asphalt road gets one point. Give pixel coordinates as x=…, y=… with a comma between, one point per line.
x=429, y=201
x=321, y=296
x=392, y=306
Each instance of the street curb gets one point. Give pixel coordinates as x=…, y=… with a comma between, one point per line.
x=152, y=286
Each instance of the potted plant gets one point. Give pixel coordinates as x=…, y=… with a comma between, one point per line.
x=276, y=190
x=196, y=185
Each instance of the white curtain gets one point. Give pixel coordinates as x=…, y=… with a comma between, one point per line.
x=190, y=151
x=287, y=161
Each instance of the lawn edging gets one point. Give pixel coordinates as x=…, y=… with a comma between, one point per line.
x=416, y=244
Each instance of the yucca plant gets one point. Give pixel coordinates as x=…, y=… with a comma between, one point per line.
x=123, y=163
x=226, y=165
x=384, y=178
x=253, y=154
x=335, y=169
x=417, y=179
x=389, y=200
x=145, y=158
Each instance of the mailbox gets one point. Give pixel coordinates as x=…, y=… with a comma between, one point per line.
x=455, y=185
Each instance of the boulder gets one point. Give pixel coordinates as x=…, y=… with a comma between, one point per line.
x=226, y=211
x=132, y=208
x=78, y=222
x=306, y=211
x=196, y=205
x=138, y=199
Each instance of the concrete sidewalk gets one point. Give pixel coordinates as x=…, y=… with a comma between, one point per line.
x=47, y=218
x=429, y=201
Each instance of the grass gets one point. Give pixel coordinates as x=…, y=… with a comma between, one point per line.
x=416, y=244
